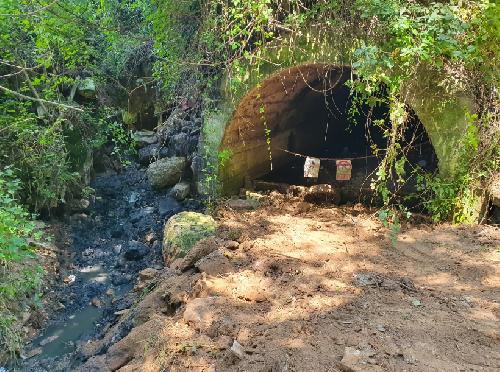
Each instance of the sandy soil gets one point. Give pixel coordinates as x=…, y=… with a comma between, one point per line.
x=309, y=288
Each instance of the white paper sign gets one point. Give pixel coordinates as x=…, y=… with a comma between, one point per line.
x=311, y=167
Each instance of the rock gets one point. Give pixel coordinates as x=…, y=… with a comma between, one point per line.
x=215, y=264
x=322, y=194
x=88, y=252
x=152, y=152
x=181, y=191
x=150, y=237
x=97, y=363
x=78, y=205
x=96, y=302
x=140, y=286
x=117, y=248
x=141, y=214
x=355, y=360
x=367, y=279
x=237, y=349
x=224, y=342
x=134, y=196
x=135, y=251
x=257, y=198
x=122, y=312
x=182, y=231
x=303, y=207
x=197, y=166
x=166, y=172
x=242, y=204
x=168, y=205
x=147, y=274
x=48, y=340
x=201, y=249
x=231, y=244
x=86, y=88
x=270, y=186
x=180, y=143
x=145, y=137
x=199, y=313
x=30, y=354
x=70, y=279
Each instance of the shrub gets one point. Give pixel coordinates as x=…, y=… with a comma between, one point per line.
x=19, y=274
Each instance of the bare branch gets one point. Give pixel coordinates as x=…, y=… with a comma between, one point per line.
x=40, y=100
x=35, y=93
x=11, y=64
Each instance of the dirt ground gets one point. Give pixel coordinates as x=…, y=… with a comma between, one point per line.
x=311, y=288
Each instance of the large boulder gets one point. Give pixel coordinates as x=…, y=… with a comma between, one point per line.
x=166, y=172
x=86, y=88
x=183, y=231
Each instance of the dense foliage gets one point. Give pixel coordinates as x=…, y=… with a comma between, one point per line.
x=19, y=274
x=47, y=131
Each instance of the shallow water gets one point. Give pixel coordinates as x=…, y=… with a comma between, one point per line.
x=79, y=323
x=125, y=211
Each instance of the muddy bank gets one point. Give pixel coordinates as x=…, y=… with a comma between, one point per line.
x=102, y=250
x=296, y=287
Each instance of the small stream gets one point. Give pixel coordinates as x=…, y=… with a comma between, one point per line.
x=119, y=235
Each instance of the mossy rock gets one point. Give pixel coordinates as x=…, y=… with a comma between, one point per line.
x=182, y=231
x=166, y=172
x=87, y=88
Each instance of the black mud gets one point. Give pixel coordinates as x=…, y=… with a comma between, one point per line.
x=116, y=237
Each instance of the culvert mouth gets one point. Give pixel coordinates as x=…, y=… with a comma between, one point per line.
x=308, y=112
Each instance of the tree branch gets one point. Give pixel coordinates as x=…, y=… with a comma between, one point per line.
x=35, y=93
x=40, y=100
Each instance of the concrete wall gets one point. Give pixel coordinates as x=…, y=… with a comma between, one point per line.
x=236, y=125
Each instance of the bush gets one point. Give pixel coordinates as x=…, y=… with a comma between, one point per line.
x=19, y=274
x=38, y=151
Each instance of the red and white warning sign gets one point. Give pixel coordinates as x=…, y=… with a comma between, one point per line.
x=344, y=168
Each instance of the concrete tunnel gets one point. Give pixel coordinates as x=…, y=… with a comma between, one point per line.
x=308, y=110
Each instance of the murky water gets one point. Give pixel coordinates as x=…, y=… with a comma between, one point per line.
x=109, y=244
x=66, y=334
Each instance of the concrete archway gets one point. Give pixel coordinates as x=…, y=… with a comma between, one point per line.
x=305, y=110
x=444, y=114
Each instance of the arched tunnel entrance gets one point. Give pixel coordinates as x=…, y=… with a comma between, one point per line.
x=308, y=111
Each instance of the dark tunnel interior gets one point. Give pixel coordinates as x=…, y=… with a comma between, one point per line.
x=330, y=126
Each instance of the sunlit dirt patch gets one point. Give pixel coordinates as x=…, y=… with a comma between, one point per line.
x=307, y=291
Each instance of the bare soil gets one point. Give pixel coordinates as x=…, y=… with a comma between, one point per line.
x=310, y=288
